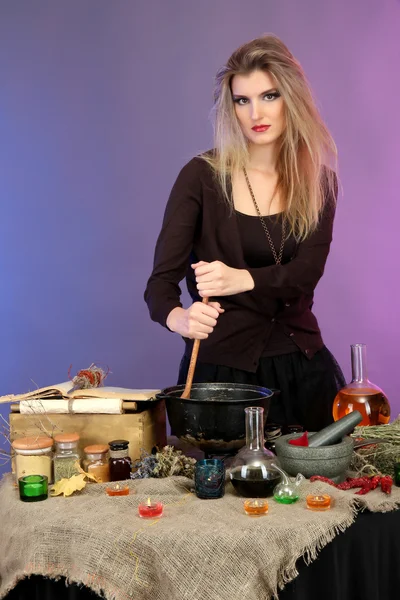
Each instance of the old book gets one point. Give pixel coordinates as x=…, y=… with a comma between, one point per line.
x=64, y=398
x=66, y=390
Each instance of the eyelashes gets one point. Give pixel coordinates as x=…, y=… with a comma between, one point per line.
x=271, y=96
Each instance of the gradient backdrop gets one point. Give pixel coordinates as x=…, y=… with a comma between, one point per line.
x=102, y=102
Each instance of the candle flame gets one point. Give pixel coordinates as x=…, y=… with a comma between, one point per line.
x=148, y=501
x=117, y=486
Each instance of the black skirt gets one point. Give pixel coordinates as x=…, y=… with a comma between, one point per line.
x=307, y=386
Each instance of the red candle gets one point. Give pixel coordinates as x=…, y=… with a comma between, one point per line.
x=150, y=510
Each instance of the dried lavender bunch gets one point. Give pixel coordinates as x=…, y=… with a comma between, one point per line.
x=164, y=463
x=144, y=467
x=173, y=462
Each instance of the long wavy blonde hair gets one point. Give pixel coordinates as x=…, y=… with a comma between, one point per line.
x=306, y=145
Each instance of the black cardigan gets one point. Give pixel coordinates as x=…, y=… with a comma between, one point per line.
x=199, y=225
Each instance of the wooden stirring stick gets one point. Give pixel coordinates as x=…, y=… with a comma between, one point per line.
x=192, y=365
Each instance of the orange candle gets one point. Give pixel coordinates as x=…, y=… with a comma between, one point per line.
x=318, y=501
x=117, y=490
x=256, y=508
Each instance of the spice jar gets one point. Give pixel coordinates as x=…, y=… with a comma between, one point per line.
x=96, y=462
x=293, y=429
x=33, y=456
x=272, y=431
x=66, y=457
x=119, y=461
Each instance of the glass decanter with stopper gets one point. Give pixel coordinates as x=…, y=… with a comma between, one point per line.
x=361, y=394
x=252, y=474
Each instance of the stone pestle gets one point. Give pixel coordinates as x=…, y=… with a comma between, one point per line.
x=335, y=432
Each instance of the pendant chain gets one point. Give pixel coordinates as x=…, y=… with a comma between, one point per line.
x=277, y=257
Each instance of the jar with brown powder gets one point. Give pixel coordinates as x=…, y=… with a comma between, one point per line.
x=96, y=462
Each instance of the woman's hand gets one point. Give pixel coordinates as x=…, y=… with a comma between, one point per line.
x=217, y=279
x=195, y=322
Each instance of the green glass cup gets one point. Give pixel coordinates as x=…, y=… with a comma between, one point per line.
x=33, y=488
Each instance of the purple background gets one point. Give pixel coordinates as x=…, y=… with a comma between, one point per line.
x=101, y=104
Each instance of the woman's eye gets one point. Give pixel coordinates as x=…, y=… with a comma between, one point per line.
x=272, y=95
x=240, y=101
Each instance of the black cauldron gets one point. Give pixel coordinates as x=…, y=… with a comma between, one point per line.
x=213, y=418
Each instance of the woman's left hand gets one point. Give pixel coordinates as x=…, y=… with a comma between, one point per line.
x=217, y=279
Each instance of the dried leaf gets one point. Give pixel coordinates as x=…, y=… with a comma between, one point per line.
x=68, y=486
x=87, y=475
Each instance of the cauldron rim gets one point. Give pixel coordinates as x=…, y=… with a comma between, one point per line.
x=260, y=393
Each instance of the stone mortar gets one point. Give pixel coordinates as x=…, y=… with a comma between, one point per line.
x=328, y=461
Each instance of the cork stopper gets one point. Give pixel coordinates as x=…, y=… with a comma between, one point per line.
x=96, y=449
x=66, y=438
x=32, y=443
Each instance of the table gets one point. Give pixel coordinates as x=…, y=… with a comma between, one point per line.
x=363, y=563
x=360, y=564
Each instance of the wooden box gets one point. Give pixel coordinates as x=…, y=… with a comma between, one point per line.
x=144, y=429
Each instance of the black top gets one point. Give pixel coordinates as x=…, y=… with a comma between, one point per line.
x=119, y=444
x=257, y=253
x=199, y=225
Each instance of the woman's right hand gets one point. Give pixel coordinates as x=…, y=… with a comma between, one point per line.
x=195, y=322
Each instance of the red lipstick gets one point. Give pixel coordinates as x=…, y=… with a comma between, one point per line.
x=260, y=128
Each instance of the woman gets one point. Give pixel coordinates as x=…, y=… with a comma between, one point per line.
x=250, y=225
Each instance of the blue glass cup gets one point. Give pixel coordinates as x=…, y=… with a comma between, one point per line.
x=209, y=478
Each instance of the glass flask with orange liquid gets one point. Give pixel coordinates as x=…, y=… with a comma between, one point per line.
x=361, y=394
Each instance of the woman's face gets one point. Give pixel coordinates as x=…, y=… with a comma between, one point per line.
x=259, y=107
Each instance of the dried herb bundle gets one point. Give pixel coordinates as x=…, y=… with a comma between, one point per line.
x=164, y=463
x=91, y=377
x=378, y=458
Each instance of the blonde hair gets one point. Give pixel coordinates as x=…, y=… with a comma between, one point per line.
x=306, y=145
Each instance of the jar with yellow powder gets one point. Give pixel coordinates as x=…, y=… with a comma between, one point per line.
x=33, y=456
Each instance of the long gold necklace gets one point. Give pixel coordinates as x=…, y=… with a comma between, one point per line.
x=277, y=257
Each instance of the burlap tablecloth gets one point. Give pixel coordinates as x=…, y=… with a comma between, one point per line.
x=199, y=549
